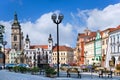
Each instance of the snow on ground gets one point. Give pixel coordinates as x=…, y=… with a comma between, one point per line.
x=6, y=75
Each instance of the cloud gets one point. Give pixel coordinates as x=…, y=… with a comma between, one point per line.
x=101, y=19
x=39, y=31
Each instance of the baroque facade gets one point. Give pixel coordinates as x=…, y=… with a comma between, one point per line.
x=82, y=48
x=89, y=50
x=93, y=47
x=113, y=51
x=98, y=48
x=23, y=52
x=37, y=55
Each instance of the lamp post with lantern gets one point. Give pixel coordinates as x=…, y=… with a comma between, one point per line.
x=57, y=20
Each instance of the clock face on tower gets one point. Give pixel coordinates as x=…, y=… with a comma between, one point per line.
x=15, y=30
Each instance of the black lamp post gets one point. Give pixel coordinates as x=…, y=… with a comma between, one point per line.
x=4, y=43
x=57, y=21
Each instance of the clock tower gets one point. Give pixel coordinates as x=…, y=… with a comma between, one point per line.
x=16, y=35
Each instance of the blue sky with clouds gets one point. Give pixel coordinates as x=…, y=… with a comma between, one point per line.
x=35, y=18
x=28, y=9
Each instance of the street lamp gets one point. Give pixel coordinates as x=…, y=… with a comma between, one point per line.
x=57, y=21
x=4, y=43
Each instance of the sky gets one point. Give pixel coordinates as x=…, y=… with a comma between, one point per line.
x=35, y=18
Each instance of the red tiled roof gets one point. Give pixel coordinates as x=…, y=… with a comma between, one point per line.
x=114, y=29
x=39, y=46
x=63, y=48
x=82, y=35
x=110, y=29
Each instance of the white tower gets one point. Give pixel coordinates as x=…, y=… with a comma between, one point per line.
x=50, y=42
x=27, y=43
x=50, y=46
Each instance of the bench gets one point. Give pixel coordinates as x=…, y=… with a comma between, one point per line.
x=101, y=74
x=73, y=71
x=110, y=74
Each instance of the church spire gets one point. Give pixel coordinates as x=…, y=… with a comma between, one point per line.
x=15, y=22
x=27, y=38
x=50, y=37
x=15, y=17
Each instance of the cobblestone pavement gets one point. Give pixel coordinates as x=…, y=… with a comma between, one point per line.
x=6, y=75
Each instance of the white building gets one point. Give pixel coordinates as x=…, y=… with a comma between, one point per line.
x=38, y=54
x=113, y=51
x=13, y=55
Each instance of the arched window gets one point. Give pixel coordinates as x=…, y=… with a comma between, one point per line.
x=15, y=47
x=113, y=59
x=15, y=38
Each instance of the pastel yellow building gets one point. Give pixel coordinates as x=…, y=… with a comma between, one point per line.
x=65, y=55
x=89, y=51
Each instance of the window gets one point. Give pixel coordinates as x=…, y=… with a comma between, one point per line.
x=111, y=39
x=96, y=59
x=118, y=38
x=15, y=47
x=106, y=41
x=30, y=57
x=111, y=49
x=114, y=48
x=114, y=39
x=118, y=48
x=103, y=42
x=15, y=38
